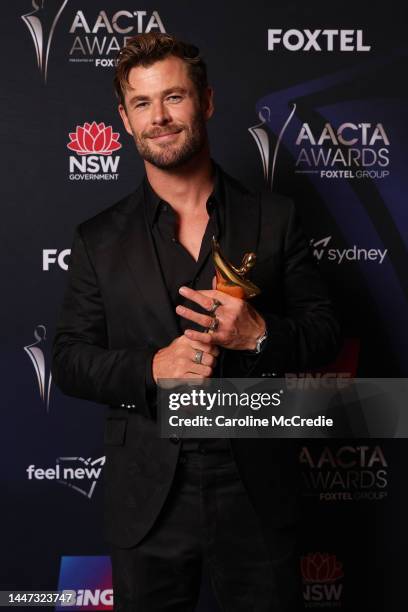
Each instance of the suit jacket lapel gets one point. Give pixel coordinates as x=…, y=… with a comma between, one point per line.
x=240, y=232
x=241, y=223
x=140, y=254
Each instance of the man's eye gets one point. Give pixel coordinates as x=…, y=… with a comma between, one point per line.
x=141, y=105
x=174, y=98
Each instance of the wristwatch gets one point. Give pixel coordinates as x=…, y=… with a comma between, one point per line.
x=260, y=342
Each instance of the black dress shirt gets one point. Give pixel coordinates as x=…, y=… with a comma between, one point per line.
x=177, y=265
x=179, y=268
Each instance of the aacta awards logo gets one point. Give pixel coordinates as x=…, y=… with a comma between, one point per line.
x=322, y=574
x=98, y=41
x=348, y=150
x=94, y=144
x=41, y=23
x=37, y=353
x=344, y=473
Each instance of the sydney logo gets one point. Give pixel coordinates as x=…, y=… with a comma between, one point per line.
x=353, y=253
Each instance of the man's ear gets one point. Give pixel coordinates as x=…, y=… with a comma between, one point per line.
x=124, y=117
x=208, y=102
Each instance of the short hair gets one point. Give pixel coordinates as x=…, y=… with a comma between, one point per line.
x=146, y=49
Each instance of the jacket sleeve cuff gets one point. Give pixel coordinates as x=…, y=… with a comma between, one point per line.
x=151, y=387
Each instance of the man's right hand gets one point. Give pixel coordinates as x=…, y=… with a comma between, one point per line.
x=177, y=360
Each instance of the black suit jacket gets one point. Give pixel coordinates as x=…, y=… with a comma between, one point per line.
x=116, y=314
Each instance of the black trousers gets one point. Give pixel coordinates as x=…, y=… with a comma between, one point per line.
x=208, y=518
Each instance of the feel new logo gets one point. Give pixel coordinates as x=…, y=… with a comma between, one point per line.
x=79, y=473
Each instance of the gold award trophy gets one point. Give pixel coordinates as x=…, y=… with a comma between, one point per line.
x=230, y=279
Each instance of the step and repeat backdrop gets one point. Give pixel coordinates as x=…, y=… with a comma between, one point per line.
x=311, y=101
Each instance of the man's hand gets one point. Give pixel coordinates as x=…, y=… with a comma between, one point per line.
x=239, y=324
x=177, y=360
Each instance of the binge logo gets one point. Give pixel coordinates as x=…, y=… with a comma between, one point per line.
x=337, y=375
x=88, y=581
x=94, y=143
x=322, y=574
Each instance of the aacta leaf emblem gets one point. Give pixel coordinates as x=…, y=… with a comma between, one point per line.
x=94, y=138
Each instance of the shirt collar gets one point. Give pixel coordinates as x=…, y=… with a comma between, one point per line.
x=154, y=202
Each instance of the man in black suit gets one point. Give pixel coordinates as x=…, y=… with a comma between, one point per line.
x=138, y=307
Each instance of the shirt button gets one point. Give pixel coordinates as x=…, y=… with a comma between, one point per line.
x=174, y=240
x=175, y=439
x=164, y=208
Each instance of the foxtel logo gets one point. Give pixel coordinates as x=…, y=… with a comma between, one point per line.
x=354, y=253
x=52, y=256
x=76, y=472
x=317, y=40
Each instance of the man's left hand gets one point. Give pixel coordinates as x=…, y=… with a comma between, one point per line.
x=239, y=324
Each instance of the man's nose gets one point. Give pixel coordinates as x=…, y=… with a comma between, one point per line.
x=160, y=113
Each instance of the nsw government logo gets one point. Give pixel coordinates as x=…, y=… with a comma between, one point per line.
x=94, y=143
x=322, y=575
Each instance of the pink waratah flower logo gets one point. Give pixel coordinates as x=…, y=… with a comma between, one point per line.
x=321, y=567
x=94, y=138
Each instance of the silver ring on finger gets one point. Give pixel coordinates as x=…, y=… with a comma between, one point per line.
x=198, y=356
x=213, y=325
x=215, y=305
